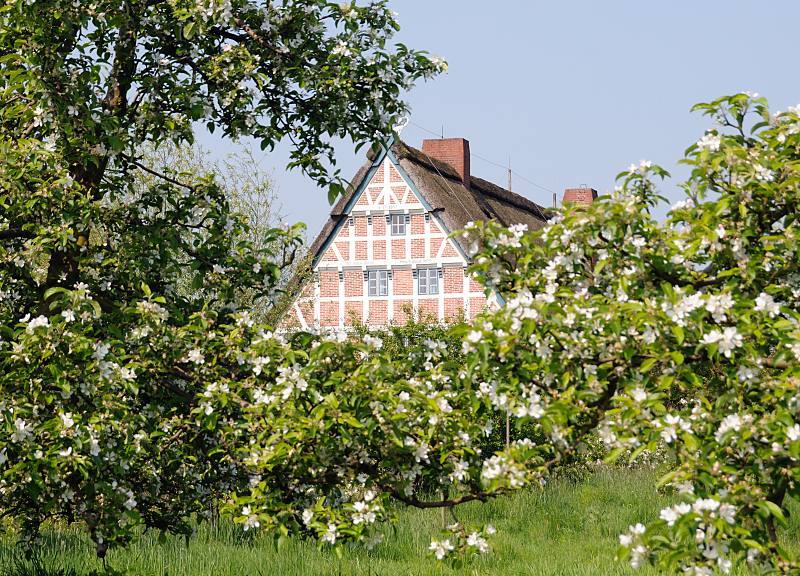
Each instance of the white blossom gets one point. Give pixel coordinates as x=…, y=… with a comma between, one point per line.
x=22, y=431
x=373, y=341
x=475, y=540
x=709, y=142
x=331, y=534
x=196, y=356
x=730, y=422
x=727, y=340
x=308, y=516
x=38, y=322
x=441, y=548
x=766, y=303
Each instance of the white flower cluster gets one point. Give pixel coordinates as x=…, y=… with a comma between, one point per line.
x=670, y=426
x=767, y=304
x=363, y=511
x=710, y=142
x=501, y=468
x=633, y=540
x=731, y=423
x=291, y=379
x=726, y=340
x=441, y=548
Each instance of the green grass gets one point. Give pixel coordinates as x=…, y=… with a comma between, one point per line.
x=568, y=528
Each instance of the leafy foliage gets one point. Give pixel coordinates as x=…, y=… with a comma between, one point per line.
x=127, y=403
x=610, y=312
x=101, y=340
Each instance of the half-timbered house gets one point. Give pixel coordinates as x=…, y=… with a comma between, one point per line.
x=386, y=253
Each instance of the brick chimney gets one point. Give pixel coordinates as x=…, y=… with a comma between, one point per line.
x=579, y=195
x=452, y=151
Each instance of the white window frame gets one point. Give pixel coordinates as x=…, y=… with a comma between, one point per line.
x=377, y=283
x=427, y=281
x=398, y=224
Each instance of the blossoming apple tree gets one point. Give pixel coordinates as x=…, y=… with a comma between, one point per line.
x=684, y=332
x=126, y=402
x=681, y=333
x=101, y=344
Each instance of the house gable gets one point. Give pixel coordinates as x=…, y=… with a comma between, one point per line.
x=363, y=235
x=363, y=241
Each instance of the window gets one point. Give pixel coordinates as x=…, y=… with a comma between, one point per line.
x=378, y=282
x=398, y=222
x=427, y=281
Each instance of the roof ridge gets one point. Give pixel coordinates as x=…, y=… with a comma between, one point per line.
x=509, y=196
x=404, y=150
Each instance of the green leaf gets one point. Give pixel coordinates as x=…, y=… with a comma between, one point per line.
x=647, y=364
x=772, y=509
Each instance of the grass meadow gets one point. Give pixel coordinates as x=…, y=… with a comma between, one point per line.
x=568, y=528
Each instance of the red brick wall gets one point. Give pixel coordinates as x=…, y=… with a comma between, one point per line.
x=378, y=311
x=400, y=311
x=360, y=223
x=289, y=320
x=429, y=308
x=436, y=243
x=353, y=283
x=307, y=310
x=398, y=192
x=418, y=248
x=394, y=175
x=476, y=305
x=579, y=195
x=378, y=226
x=398, y=249
x=402, y=282
x=452, y=151
x=453, y=308
x=361, y=249
x=379, y=174
x=374, y=193
x=329, y=313
x=453, y=280
x=417, y=224
x=328, y=284
x=379, y=249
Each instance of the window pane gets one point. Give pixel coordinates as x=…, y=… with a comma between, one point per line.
x=398, y=224
x=433, y=281
x=423, y=282
x=373, y=283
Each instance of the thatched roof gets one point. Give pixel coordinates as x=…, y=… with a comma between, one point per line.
x=447, y=195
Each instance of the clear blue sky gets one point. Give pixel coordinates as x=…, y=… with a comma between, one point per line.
x=575, y=90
